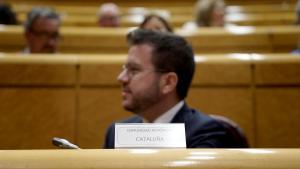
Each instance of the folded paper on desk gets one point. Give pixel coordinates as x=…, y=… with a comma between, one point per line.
x=150, y=135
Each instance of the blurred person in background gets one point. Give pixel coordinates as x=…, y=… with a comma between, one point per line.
x=209, y=13
x=109, y=15
x=42, y=31
x=156, y=22
x=7, y=16
x=298, y=12
x=297, y=50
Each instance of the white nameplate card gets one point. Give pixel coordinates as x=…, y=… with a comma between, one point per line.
x=150, y=135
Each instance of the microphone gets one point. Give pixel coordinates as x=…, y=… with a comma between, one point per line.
x=63, y=143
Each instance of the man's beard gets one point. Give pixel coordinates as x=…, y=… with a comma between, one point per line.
x=144, y=100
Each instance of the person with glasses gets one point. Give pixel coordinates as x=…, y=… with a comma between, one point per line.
x=155, y=81
x=42, y=31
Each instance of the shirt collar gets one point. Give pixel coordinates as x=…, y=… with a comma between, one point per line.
x=169, y=115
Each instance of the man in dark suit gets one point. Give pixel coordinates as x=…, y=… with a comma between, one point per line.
x=155, y=81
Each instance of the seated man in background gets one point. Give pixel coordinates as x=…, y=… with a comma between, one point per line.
x=42, y=31
x=155, y=80
x=109, y=15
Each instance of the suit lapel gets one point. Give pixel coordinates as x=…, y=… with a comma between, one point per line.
x=180, y=117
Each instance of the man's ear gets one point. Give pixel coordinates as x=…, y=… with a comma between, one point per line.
x=169, y=82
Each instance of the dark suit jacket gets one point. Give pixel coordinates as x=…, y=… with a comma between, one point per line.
x=201, y=130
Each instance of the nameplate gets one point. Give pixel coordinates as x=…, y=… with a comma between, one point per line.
x=150, y=135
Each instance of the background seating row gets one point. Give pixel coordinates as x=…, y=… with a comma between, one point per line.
x=257, y=19
x=275, y=39
x=147, y=3
x=252, y=15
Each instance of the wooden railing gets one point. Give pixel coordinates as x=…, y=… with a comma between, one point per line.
x=77, y=97
x=276, y=39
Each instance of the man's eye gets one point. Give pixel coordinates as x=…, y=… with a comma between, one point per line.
x=133, y=70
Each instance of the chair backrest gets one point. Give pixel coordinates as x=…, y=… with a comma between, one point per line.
x=234, y=130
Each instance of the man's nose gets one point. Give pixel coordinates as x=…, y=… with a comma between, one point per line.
x=123, y=77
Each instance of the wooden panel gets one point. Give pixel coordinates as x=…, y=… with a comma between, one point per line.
x=12, y=39
x=262, y=19
x=207, y=73
x=222, y=74
x=285, y=38
x=277, y=112
x=204, y=40
x=98, y=108
x=37, y=74
x=234, y=103
x=218, y=40
x=277, y=74
x=31, y=117
x=100, y=74
x=261, y=8
x=91, y=40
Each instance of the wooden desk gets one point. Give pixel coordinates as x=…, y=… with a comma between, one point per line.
x=151, y=158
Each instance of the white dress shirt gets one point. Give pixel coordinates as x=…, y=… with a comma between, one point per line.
x=168, y=115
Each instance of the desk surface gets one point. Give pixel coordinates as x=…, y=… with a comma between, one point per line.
x=151, y=158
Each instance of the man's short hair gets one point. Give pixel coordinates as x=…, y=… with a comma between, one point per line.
x=40, y=12
x=171, y=53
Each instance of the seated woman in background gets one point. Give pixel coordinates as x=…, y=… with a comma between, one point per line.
x=156, y=22
x=208, y=13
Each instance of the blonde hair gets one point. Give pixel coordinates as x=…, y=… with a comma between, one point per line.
x=204, y=10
